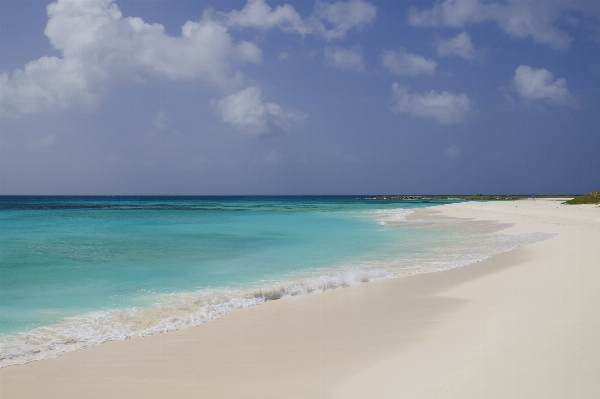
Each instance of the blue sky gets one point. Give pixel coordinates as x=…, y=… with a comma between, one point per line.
x=299, y=97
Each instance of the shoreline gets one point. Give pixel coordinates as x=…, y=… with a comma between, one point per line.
x=385, y=338
x=177, y=311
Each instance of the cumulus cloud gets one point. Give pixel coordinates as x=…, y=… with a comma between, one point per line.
x=460, y=46
x=401, y=62
x=335, y=19
x=329, y=20
x=246, y=111
x=258, y=14
x=445, y=107
x=99, y=47
x=349, y=59
x=539, y=85
x=520, y=19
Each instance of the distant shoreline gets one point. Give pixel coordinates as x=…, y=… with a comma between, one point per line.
x=477, y=197
x=365, y=196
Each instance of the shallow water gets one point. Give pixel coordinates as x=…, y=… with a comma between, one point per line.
x=79, y=271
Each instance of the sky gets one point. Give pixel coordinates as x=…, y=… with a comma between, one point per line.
x=270, y=97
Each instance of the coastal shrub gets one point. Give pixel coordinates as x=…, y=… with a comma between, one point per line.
x=591, y=198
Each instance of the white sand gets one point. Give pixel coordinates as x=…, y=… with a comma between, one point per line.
x=523, y=324
x=528, y=331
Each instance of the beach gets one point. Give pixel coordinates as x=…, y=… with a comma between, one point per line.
x=521, y=324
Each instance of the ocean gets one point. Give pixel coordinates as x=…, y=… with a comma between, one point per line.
x=79, y=271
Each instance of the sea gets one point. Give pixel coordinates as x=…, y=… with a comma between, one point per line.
x=77, y=272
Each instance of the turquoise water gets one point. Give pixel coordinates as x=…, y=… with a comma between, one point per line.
x=78, y=271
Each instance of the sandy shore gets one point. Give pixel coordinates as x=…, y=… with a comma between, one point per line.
x=523, y=324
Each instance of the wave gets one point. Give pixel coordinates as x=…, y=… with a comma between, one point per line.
x=386, y=216
x=170, y=312
x=180, y=310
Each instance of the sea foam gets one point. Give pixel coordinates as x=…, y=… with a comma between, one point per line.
x=181, y=310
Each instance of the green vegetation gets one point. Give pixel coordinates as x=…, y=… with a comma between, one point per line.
x=591, y=198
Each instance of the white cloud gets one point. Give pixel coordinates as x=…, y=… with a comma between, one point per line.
x=47, y=83
x=100, y=47
x=403, y=63
x=329, y=20
x=246, y=111
x=452, y=152
x=160, y=122
x=518, y=18
x=454, y=13
x=460, y=46
x=349, y=59
x=540, y=85
x=445, y=107
x=258, y=14
x=342, y=16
